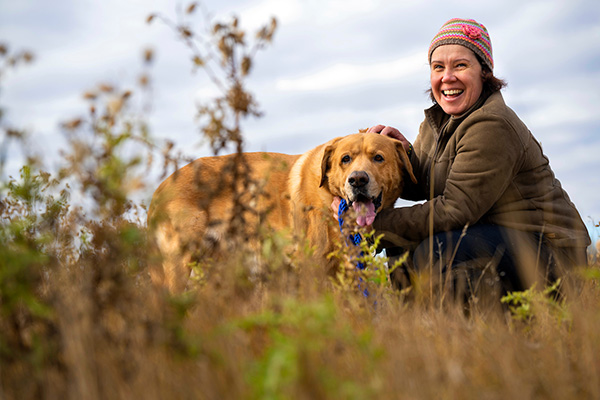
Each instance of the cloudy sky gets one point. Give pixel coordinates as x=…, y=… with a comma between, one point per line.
x=335, y=66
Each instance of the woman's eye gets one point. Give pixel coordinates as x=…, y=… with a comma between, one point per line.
x=378, y=158
x=346, y=159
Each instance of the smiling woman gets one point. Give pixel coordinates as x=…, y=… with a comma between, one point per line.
x=493, y=203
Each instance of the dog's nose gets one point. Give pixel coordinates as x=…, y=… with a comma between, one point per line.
x=358, y=179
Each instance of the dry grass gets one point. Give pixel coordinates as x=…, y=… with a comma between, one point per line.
x=110, y=334
x=80, y=319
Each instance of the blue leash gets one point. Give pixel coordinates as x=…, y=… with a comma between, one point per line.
x=355, y=238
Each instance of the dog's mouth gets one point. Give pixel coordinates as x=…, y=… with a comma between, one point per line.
x=366, y=208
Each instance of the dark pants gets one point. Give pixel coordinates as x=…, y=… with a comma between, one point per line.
x=468, y=261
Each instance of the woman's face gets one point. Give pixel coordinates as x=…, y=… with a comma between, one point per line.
x=456, y=78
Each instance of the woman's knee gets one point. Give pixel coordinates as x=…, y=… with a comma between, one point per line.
x=436, y=250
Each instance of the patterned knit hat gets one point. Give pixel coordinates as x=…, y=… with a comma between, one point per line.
x=468, y=33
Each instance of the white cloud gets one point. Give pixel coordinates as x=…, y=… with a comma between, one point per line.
x=343, y=75
x=257, y=14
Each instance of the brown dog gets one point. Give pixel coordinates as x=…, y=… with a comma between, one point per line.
x=189, y=209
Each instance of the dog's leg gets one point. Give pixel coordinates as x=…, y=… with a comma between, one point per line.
x=177, y=272
x=176, y=257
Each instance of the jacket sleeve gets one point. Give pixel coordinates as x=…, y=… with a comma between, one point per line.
x=416, y=191
x=488, y=153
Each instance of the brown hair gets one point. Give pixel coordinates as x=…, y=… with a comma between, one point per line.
x=491, y=84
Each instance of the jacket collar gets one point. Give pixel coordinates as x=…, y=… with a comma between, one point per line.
x=440, y=121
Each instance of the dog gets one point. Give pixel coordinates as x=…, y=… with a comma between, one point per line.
x=189, y=210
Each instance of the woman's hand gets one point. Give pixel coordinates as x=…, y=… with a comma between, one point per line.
x=391, y=132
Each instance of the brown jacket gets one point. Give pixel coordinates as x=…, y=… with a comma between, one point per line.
x=482, y=167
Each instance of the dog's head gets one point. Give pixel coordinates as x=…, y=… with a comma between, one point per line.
x=367, y=170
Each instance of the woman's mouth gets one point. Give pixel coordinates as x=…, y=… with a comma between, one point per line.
x=452, y=92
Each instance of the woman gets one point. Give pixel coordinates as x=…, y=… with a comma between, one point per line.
x=492, y=199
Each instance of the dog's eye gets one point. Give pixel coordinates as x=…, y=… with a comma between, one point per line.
x=378, y=158
x=346, y=159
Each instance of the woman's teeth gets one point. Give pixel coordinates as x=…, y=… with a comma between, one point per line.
x=453, y=92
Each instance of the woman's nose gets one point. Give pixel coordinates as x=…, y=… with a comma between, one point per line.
x=448, y=75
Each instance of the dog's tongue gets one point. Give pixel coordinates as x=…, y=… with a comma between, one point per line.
x=365, y=213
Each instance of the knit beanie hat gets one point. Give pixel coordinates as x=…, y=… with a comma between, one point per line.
x=468, y=33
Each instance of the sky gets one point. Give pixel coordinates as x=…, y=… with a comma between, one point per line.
x=334, y=67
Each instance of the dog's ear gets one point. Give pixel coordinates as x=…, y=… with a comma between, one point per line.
x=405, y=161
x=326, y=163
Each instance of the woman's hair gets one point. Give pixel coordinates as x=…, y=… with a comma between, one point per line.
x=491, y=84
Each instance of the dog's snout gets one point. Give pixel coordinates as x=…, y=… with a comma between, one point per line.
x=358, y=179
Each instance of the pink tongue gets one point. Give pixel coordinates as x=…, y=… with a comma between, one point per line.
x=365, y=213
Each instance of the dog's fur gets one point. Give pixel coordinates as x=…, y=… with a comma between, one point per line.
x=189, y=209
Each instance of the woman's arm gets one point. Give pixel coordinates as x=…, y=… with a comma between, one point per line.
x=488, y=150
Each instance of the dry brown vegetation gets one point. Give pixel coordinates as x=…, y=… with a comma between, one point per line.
x=80, y=319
